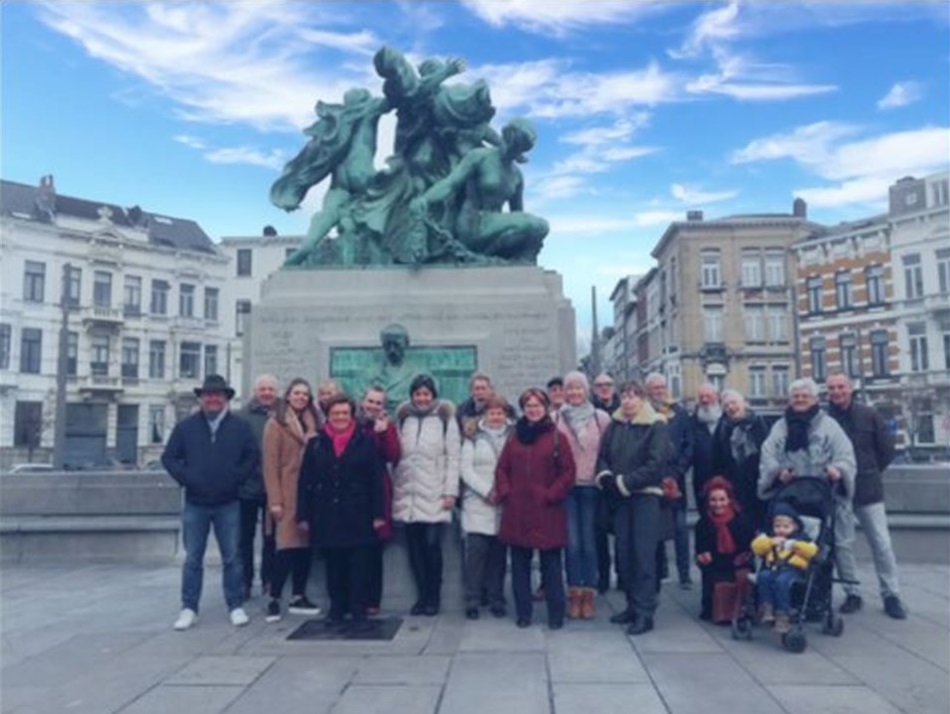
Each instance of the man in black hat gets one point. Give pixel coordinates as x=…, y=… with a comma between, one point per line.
x=211, y=453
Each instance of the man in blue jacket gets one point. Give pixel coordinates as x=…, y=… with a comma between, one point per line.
x=211, y=453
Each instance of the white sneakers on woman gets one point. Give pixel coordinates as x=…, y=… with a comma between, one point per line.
x=188, y=617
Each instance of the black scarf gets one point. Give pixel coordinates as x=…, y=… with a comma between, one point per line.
x=529, y=431
x=798, y=423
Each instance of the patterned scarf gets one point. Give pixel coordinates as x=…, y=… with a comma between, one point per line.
x=725, y=543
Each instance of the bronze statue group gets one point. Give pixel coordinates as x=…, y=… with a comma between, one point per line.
x=560, y=476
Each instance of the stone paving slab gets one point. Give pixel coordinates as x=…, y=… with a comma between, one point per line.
x=178, y=700
x=807, y=699
x=221, y=670
x=303, y=684
x=502, y=682
x=602, y=655
x=419, y=699
x=430, y=669
x=607, y=699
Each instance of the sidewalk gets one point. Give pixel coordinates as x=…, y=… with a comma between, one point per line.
x=97, y=639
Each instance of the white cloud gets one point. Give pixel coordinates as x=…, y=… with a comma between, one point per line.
x=241, y=62
x=558, y=16
x=646, y=219
x=710, y=28
x=698, y=197
x=860, y=170
x=900, y=95
x=192, y=142
x=549, y=188
x=246, y=155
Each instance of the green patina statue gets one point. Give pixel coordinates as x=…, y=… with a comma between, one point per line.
x=442, y=196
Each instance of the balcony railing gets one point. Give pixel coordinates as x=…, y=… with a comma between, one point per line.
x=99, y=383
x=110, y=316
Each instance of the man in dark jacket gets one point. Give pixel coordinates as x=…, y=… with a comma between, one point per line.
x=681, y=458
x=874, y=450
x=469, y=412
x=253, y=497
x=702, y=424
x=211, y=453
x=605, y=393
x=605, y=398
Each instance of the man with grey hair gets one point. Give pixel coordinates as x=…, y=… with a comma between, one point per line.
x=256, y=412
x=702, y=424
x=874, y=449
x=681, y=458
x=806, y=442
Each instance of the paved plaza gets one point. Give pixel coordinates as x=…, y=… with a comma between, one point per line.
x=97, y=639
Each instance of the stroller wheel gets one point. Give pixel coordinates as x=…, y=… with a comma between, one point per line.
x=795, y=641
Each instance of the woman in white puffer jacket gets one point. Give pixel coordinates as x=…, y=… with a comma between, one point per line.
x=425, y=485
x=485, y=555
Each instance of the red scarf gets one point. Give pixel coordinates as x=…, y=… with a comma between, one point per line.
x=725, y=543
x=340, y=438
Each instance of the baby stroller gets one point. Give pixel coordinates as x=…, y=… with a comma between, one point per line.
x=813, y=499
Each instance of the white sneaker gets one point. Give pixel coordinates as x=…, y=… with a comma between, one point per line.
x=186, y=618
x=239, y=618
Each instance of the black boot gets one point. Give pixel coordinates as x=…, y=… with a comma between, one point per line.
x=640, y=625
x=623, y=618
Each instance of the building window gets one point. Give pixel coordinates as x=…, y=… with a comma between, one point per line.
x=946, y=351
x=243, y=315
x=28, y=424
x=31, y=350
x=943, y=270
x=843, y=289
x=211, y=304
x=102, y=289
x=874, y=280
x=160, y=289
x=6, y=341
x=751, y=269
x=211, y=359
x=814, y=294
x=919, y=359
x=712, y=324
x=924, y=421
x=850, y=360
x=756, y=382
x=244, y=262
x=189, y=360
x=186, y=300
x=73, y=286
x=711, y=275
x=938, y=192
x=879, y=350
x=913, y=277
x=99, y=355
x=72, y=353
x=816, y=347
x=156, y=424
x=780, y=381
x=132, y=296
x=778, y=325
x=754, y=318
x=34, y=281
x=156, y=359
x=130, y=357
x=774, y=269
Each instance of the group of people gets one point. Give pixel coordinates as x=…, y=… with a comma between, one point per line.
x=555, y=477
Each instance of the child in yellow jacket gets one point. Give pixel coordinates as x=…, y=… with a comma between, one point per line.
x=785, y=553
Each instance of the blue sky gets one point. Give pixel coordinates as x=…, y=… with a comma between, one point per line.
x=643, y=109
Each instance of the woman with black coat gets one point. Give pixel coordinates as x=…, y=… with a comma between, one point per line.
x=340, y=499
x=737, y=447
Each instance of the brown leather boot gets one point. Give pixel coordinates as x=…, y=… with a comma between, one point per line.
x=574, y=603
x=587, y=603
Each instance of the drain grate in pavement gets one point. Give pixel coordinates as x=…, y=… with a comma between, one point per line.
x=374, y=629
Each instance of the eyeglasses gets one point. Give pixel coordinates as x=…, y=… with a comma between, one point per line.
x=603, y=384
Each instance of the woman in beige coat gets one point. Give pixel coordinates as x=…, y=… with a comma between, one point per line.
x=294, y=423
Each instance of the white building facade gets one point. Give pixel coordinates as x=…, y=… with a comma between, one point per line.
x=145, y=323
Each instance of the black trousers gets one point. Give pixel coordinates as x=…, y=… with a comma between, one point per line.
x=294, y=562
x=424, y=541
x=348, y=580
x=552, y=575
x=376, y=576
x=252, y=512
x=636, y=527
x=485, y=565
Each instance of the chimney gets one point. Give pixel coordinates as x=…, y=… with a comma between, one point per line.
x=270, y=231
x=799, y=208
x=694, y=215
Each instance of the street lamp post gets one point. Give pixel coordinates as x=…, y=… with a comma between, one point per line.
x=62, y=367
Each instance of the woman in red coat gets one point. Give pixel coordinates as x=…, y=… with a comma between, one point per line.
x=535, y=473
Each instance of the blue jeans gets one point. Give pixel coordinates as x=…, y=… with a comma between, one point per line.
x=581, y=506
x=196, y=522
x=775, y=586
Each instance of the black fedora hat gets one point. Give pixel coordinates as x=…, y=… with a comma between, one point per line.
x=215, y=383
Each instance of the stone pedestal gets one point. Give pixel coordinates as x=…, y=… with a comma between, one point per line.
x=515, y=319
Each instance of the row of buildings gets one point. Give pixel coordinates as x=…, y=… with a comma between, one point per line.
x=753, y=301
x=152, y=305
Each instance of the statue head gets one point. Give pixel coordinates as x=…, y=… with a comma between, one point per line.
x=395, y=340
x=356, y=96
x=519, y=137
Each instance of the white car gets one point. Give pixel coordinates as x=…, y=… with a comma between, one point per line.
x=31, y=469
